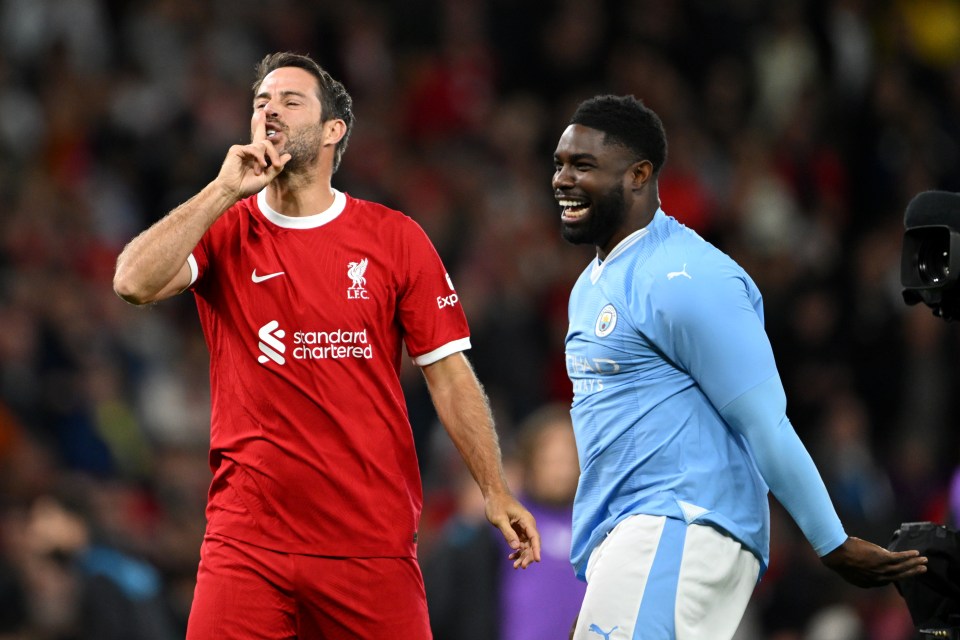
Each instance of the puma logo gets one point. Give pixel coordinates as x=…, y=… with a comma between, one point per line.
x=600, y=632
x=682, y=272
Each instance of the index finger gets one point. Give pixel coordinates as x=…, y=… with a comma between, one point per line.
x=260, y=126
x=530, y=540
x=522, y=558
x=534, y=536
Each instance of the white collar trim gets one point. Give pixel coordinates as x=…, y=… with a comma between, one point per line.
x=622, y=246
x=302, y=222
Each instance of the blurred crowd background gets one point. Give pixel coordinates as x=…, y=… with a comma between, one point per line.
x=798, y=131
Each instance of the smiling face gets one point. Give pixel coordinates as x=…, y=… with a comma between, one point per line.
x=289, y=98
x=591, y=181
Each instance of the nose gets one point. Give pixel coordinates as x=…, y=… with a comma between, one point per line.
x=562, y=177
x=270, y=108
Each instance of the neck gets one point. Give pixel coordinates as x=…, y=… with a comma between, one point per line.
x=635, y=222
x=298, y=195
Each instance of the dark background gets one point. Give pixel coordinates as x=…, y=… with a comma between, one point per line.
x=798, y=131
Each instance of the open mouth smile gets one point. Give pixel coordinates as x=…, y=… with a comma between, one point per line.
x=573, y=210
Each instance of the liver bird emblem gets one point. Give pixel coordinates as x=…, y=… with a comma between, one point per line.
x=355, y=271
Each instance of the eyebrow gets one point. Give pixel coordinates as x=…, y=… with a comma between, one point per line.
x=577, y=157
x=283, y=94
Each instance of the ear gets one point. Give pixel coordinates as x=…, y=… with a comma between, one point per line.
x=333, y=131
x=640, y=173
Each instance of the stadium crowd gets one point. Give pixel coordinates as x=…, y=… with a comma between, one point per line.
x=798, y=131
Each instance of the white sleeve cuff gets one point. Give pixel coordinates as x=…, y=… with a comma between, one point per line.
x=194, y=270
x=439, y=354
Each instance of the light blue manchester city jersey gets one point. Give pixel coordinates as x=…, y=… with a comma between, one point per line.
x=664, y=334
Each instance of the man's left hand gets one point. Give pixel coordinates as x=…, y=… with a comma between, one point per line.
x=518, y=526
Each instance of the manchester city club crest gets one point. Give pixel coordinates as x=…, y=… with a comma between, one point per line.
x=606, y=321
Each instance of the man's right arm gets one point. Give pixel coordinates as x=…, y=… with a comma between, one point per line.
x=154, y=265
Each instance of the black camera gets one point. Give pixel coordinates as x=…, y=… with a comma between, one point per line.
x=930, y=265
x=933, y=598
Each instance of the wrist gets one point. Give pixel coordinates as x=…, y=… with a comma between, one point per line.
x=836, y=554
x=223, y=195
x=496, y=490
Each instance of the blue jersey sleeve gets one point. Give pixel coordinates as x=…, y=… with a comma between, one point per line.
x=710, y=326
x=785, y=464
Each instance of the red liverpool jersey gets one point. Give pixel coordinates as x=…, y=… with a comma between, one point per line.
x=310, y=444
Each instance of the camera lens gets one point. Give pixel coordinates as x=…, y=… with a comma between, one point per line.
x=933, y=259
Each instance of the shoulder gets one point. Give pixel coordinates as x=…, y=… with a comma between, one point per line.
x=689, y=276
x=384, y=220
x=678, y=245
x=241, y=213
x=377, y=211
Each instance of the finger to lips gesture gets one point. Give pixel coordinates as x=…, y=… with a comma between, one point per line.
x=250, y=167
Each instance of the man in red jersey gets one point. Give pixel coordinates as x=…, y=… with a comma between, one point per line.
x=306, y=296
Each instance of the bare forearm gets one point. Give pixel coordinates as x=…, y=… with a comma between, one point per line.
x=149, y=265
x=468, y=421
x=465, y=413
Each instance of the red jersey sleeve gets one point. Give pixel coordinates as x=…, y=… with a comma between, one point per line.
x=429, y=310
x=205, y=252
x=199, y=259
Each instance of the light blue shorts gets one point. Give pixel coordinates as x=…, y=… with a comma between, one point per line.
x=656, y=578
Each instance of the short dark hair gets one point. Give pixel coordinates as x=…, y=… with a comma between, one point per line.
x=335, y=102
x=626, y=121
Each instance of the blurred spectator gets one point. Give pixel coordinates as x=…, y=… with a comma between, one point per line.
x=805, y=127
x=461, y=569
x=544, y=604
x=858, y=486
x=470, y=590
x=78, y=584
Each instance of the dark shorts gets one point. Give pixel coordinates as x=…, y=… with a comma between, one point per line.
x=247, y=592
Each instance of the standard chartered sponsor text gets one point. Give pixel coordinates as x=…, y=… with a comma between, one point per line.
x=320, y=345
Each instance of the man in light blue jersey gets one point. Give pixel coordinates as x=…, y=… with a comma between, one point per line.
x=678, y=409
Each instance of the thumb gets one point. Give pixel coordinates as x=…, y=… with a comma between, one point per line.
x=274, y=169
x=500, y=518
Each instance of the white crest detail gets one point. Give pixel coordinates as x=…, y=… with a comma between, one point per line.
x=355, y=271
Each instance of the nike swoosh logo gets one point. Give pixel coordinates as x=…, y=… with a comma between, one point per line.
x=259, y=279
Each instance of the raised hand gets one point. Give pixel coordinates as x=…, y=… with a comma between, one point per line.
x=248, y=168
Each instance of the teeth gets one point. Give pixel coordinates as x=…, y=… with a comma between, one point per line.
x=270, y=134
x=573, y=209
